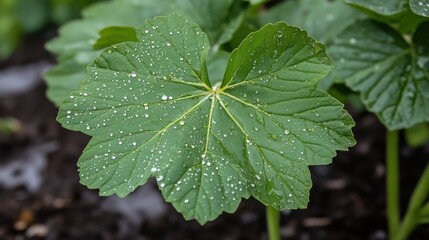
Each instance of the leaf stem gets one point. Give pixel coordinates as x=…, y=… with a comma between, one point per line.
x=273, y=223
x=415, y=207
x=424, y=211
x=392, y=182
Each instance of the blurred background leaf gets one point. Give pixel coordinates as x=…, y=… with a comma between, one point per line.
x=22, y=17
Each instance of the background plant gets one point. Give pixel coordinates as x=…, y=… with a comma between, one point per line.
x=386, y=60
x=21, y=17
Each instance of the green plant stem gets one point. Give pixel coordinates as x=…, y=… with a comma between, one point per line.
x=392, y=182
x=273, y=223
x=418, y=198
x=425, y=209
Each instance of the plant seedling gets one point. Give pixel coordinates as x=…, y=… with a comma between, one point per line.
x=153, y=111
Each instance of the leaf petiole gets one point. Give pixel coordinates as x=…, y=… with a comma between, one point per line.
x=273, y=223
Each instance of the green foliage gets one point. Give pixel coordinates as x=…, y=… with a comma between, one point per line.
x=154, y=110
x=323, y=20
x=420, y=7
x=417, y=135
x=387, y=8
x=74, y=45
x=391, y=74
x=62, y=11
x=10, y=29
x=393, y=7
x=386, y=60
x=112, y=35
x=19, y=17
x=32, y=15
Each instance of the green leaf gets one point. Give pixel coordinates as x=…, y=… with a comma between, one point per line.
x=322, y=19
x=10, y=29
x=67, y=75
x=113, y=35
x=74, y=45
x=62, y=11
x=219, y=18
x=392, y=7
x=152, y=113
x=420, y=7
x=407, y=22
x=216, y=65
x=391, y=75
x=32, y=15
x=387, y=8
x=404, y=15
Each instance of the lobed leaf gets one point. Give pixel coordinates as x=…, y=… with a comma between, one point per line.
x=153, y=112
x=390, y=74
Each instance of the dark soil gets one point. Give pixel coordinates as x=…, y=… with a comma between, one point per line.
x=347, y=199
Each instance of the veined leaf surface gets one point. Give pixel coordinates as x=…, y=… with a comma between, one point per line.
x=323, y=20
x=153, y=112
x=391, y=75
